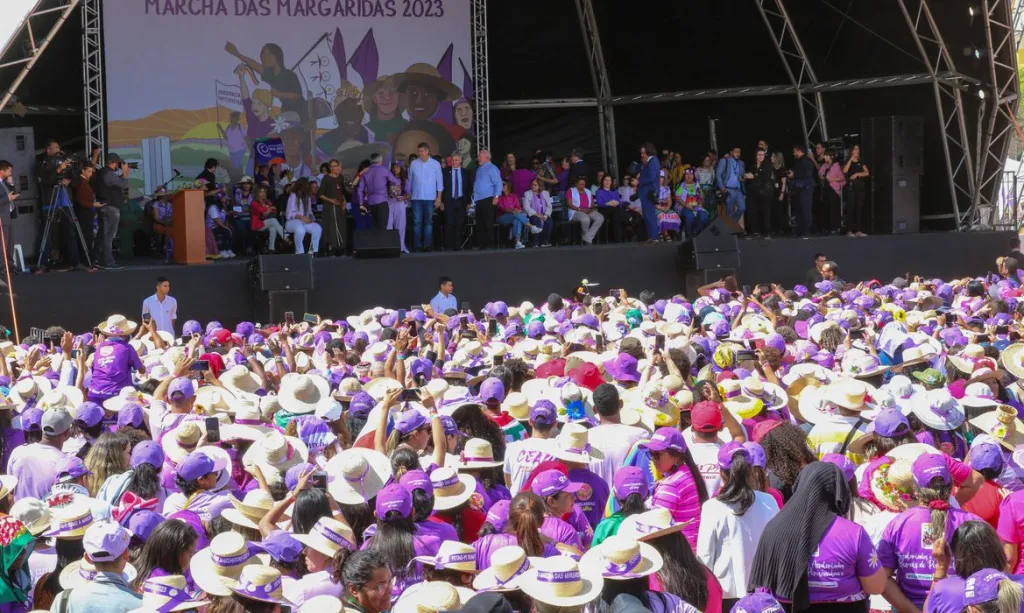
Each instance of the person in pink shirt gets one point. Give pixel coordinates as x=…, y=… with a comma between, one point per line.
x=583, y=210
x=1011, y=529
x=680, y=487
x=510, y=212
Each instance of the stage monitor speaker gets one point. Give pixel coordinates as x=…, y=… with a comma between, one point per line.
x=370, y=244
x=893, y=148
x=282, y=301
x=286, y=272
x=720, y=235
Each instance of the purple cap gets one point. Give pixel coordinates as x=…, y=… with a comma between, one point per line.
x=543, y=413
x=890, y=423
x=497, y=515
x=181, y=388
x=142, y=522
x=245, y=328
x=291, y=476
x=105, y=541
x=551, y=482
x=535, y=329
x=499, y=309
x=72, y=469
x=756, y=453
x=361, y=404
x=492, y=389
x=88, y=415
x=987, y=456
x=394, y=497
x=720, y=329
x=213, y=326
x=983, y=586
x=449, y=426
x=32, y=419
x=417, y=480
x=928, y=466
x=410, y=421
x=255, y=339
x=758, y=602
x=130, y=415
x=191, y=327
x=629, y=480
x=147, y=452
x=842, y=462
x=195, y=465
x=728, y=451
x=666, y=438
x=281, y=546
x=421, y=367
x=775, y=341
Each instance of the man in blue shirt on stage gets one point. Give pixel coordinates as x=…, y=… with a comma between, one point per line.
x=486, y=187
x=444, y=299
x=426, y=185
x=729, y=179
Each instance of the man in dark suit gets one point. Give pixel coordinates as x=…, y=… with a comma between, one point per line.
x=1015, y=249
x=458, y=187
x=577, y=168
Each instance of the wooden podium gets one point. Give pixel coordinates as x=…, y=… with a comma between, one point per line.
x=188, y=226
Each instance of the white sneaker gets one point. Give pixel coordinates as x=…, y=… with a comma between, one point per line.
x=520, y=245
x=535, y=229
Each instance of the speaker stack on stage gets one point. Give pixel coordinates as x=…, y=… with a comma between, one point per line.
x=372, y=244
x=712, y=254
x=288, y=279
x=893, y=150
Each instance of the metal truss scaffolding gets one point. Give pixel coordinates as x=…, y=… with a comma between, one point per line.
x=798, y=68
x=602, y=87
x=92, y=75
x=481, y=90
x=36, y=46
x=949, y=104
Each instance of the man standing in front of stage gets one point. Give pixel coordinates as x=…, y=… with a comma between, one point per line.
x=647, y=189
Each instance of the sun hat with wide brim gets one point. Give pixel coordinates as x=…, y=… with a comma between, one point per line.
x=7, y=485
x=168, y=593
x=240, y=380
x=248, y=513
x=1012, y=359
x=938, y=409
x=259, y=582
x=65, y=397
x=452, y=555
x=328, y=536
x=125, y=396
x=620, y=558
x=427, y=74
x=117, y=325
x=772, y=396
x=477, y=453
x=451, y=489
x=507, y=567
x=81, y=572
x=28, y=388
x=379, y=387
x=561, y=582
x=218, y=566
x=432, y=597
x=276, y=452
x=1001, y=424
x=650, y=525
x=182, y=440
x=355, y=475
x=70, y=521
x=573, y=445
x=302, y=394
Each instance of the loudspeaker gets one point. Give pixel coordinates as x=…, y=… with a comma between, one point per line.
x=282, y=301
x=893, y=149
x=286, y=272
x=368, y=244
x=720, y=235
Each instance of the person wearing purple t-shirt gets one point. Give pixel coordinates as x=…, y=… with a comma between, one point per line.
x=423, y=506
x=525, y=528
x=395, y=526
x=572, y=447
x=975, y=546
x=36, y=465
x=113, y=361
x=557, y=492
x=906, y=544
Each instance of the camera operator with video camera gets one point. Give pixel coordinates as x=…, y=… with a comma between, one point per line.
x=54, y=173
x=109, y=183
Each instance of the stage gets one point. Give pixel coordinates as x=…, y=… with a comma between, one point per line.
x=343, y=286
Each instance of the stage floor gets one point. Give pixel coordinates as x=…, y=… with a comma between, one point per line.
x=343, y=286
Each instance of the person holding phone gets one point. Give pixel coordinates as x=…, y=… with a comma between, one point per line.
x=8, y=196
x=161, y=307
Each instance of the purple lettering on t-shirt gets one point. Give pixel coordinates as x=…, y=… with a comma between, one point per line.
x=844, y=554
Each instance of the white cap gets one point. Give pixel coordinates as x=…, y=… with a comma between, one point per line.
x=329, y=411
x=105, y=541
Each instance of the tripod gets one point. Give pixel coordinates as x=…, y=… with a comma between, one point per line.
x=60, y=205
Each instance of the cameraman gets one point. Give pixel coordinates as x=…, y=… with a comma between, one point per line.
x=7, y=205
x=109, y=184
x=53, y=172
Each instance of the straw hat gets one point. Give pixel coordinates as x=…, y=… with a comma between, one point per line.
x=329, y=536
x=1001, y=423
x=182, y=440
x=451, y=489
x=356, y=475
x=220, y=564
x=117, y=325
x=573, y=445
x=168, y=593
x=8, y=483
x=259, y=582
x=968, y=357
x=71, y=521
x=240, y=380
x=561, y=582
x=379, y=387
x=452, y=555
x=67, y=397
x=430, y=597
x=508, y=565
x=477, y=453
x=938, y=409
x=275, y=452
x=34, y=513
x=212, y=398
x=772, y=396
x=301, y=394
x=1012, y=359
x=620, y=558
x=81, y=572
x=848, y=394
x=650, y=525
x=516, y=405
x=248, y=513
x=126, y=395
x=27, y=388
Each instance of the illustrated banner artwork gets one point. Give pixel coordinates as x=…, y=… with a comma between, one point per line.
x=327, y=78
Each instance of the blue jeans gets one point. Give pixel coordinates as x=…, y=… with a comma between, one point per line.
x=735, y=203
x=544, y=237
x=518, y=221
x=650, y=218
x=422, y=224
x=694, y=221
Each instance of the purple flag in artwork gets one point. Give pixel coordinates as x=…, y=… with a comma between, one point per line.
x=365, y=60
x=467, y=83
x=338, y=51
x=445, y=110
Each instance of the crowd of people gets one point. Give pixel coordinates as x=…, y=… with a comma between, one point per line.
x=827, y=447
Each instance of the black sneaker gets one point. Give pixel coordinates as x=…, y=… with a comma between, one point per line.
x=114, y=266
x=100, y=266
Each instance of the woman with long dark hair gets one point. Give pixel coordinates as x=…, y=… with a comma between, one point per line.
x=628, y=566
x=786, y=451
x=299, y=219
x=396, y=537
x=328, y=544
x=523, y=528
x=975, y=546
x=418, y=484
x=679, y=486
x=368, y=582
x=731, y=524
x=167, y=551
x=810, y=556
x=398, y=202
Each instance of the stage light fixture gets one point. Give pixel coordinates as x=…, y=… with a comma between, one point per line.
x=971, y=10
x=981, y=93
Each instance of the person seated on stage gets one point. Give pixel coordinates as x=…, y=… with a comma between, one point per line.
x=510, y=211
x=538, y=206
x=299, y=217
x=669, y=223
x=582, y=211
x=264, y=218
x=240, y=217
x=613, y=208
x=213, y=215
x=689, y=198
